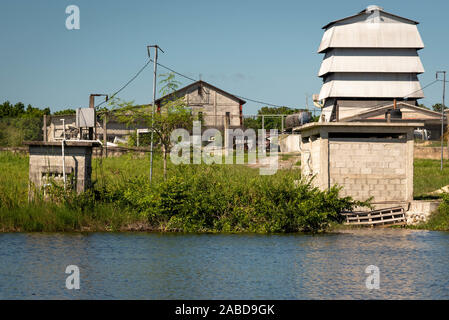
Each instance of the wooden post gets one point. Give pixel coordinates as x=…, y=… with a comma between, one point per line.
x=225, y=127
x=105, y=135
x=45, y=128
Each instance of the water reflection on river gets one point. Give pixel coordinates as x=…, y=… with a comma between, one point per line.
x=413, y=264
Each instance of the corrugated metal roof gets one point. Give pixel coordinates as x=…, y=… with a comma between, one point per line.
x=181, y=91
x=375, y=85
x=405, y=107
x=371, y=60
x=371, y=35
x=365, y=13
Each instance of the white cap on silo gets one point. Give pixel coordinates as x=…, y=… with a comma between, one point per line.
x=373, y=8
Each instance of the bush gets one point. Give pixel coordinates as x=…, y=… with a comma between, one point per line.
x=439, y=220
x=195, y=198
x=209, y=200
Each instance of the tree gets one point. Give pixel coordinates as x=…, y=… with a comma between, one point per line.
x=18, y=123
x=173, y=114
x=422, y=106
x=64, y=112
x=269, y=122
x=437, y=107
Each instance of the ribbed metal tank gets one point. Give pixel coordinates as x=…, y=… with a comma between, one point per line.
x=297, y=119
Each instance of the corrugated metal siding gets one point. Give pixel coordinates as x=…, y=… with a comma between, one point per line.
x=379, y=85
x=371, y=35
x=371, y=60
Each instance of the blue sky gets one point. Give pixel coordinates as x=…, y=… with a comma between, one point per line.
x=263, y=50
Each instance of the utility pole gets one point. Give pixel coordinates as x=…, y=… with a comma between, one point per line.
x=156, y=48
x=442, y=114
x=63, y=152
x=93, y=131
x=307, y=101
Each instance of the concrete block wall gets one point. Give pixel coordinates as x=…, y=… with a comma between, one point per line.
x=46, y=163
x=366, y=159
x=366, y=169
x=310, y=159
x=213, y=105
x=290, y=142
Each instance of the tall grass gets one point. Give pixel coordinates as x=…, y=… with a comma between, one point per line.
x=13, y=180
x=428, y=177
x=217, y=198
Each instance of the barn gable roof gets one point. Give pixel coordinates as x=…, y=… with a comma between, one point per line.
x=372, y=112
x=201, y=83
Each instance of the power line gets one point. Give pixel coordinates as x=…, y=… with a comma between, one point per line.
x=261, y=102
x=428, y=85
x=126, y=84
x=194, y=80
x=241, y=97
x=178, y=73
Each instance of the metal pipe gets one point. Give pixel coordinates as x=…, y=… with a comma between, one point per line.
x=45, y=127
x=152, y=114
x=63, y=153
x=442, y=115
x=105, y=135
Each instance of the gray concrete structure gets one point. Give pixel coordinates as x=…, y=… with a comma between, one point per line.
x=46, y=163
x=115, y=128
x=410, y=113
x=213, y=105
x=366, y=159
x=372, y=58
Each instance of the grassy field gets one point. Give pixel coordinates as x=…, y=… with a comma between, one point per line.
x=194, y=198
x=128, y=195
x=428, y=177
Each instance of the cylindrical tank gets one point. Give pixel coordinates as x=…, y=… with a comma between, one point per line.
x=297, y=119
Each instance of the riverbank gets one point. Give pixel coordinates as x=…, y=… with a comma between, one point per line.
x=195, y=198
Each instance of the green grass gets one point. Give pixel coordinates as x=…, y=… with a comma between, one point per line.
x=433, y=144
x=285, y=157
x=195, y=198
x=13, y=179
x=36, y=217
x=14, y=173
x=428, y=177
x=115, y=173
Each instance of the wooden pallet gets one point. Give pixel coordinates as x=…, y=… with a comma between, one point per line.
x=387, y=216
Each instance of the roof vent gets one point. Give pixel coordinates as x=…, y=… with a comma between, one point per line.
x=373, y=8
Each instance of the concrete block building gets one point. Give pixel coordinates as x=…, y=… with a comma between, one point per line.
x=47, y=163
x=366, y=159
x=211, y=104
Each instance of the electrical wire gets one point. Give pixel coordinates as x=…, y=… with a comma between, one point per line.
x=194, y=80
x=126, y=84
x=240, y=97
x=176, y=72
x=383, y=103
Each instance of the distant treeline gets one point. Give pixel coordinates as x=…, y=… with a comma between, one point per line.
x=271, y=122
x=19, y=123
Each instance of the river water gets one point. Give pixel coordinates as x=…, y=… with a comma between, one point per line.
x=412, y=265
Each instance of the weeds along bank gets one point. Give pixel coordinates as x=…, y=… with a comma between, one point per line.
x=194, y=198
x=439, y=220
